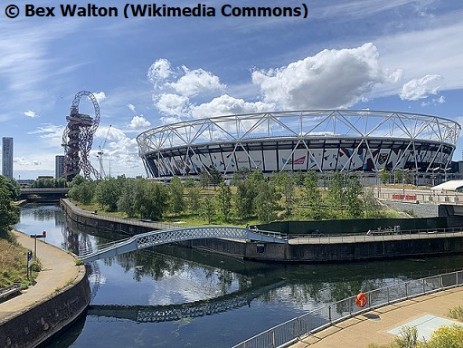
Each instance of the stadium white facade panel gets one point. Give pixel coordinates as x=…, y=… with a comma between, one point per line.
x=324, y=141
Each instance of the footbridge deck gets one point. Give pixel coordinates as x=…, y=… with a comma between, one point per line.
x=154, y=238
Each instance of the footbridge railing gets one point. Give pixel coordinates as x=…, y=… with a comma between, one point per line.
x=154, y=238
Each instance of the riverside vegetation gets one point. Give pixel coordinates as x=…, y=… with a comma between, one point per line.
x=13, y=257
x=249, y=197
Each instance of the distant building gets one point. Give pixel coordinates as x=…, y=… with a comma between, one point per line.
x=7, y=157
x=59, y=166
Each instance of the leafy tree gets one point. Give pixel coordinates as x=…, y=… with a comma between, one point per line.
x=194, y=200
x=78, y=179
x=215, y=176
x=223, y=198
x=312, y=196
x=335, y=195
x=371, y=207
x=266, y=202
x=352, y=195
x=131, y=197
x=108, y=191
x=9, y=215
x=176, y=195
x=154, y=201
x=83, y=192
x=244, y=199
x=384, y=176
x=285, y=185
x=11, y=186
x=207, y=209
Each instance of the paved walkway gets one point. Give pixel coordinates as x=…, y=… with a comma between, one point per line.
x=426, y=312
x=58, y=271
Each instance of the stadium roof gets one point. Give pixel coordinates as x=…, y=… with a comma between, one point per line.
x=452, y=185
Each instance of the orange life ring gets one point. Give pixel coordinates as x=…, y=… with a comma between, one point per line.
x=361, y=299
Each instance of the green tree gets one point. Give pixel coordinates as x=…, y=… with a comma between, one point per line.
x=154, y=201
x=384, y=176
x=194, y=200
x=108, y=191
x=207, y=209
x=244, y=199
x=370, y=203
x=85, y=192
x=353, y=192
x=335, y=195
x=11, y=186
x=285, y=186
x=177, y=201
x=312, y=196
x=131, y=197
x=9, y=214
x=223, y=198
x=266, y=201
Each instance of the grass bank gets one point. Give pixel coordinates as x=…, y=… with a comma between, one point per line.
x=13, y=261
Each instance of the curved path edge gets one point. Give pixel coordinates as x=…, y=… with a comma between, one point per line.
x=61, y=294
x=377, y=326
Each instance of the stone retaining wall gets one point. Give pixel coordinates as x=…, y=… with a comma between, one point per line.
x=36, y=325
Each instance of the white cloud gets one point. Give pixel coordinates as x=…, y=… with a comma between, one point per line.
x=432, y=50
x=330, y=79
x=420, y=88
x=52, y=133
x=227, y=105
x=24, y=162
x=131, y=107
x=172, y=104
x=100, y=96
x=31, y=114
x=139, y=122
x=195, y=82
x=119, y=148
x=159, y=70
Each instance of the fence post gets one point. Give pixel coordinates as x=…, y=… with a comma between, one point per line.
x=424, y=287
x=329, y=313
x=273, y=339
x=388, y=298
x=406, y=290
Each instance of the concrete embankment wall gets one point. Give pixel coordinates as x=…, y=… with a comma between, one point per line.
x=310, y=252
x=333, y=252
x=85, y=218
x=36, y=325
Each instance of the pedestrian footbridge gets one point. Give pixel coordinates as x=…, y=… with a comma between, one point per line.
x=154, y=238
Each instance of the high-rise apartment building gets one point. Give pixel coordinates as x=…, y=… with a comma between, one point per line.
x=59, y=166
x=7, y=157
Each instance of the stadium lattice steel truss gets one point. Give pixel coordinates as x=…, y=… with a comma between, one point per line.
x=321, y=140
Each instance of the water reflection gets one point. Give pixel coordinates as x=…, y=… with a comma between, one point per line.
x=198, y=292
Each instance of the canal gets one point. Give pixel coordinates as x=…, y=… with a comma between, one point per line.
x=171, y=296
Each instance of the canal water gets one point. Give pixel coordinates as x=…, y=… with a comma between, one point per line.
x=171, y=296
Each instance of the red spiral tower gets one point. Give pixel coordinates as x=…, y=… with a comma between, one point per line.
x=78, y=138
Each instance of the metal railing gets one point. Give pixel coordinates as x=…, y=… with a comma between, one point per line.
x=10, y=291
x=322, y=317
x=375, y=235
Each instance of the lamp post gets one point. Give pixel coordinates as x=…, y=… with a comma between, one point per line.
x=35, y=236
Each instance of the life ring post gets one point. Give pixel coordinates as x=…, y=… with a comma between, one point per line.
x=361, y=299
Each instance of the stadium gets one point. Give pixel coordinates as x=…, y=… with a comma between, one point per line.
x=320, y=140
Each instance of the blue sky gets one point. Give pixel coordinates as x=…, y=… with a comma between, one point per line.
x=390, y=55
